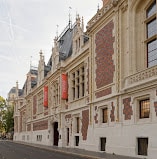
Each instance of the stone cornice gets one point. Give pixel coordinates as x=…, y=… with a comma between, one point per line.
x=101, y=14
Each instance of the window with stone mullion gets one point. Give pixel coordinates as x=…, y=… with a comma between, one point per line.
x=73, y=86
x=151, y=24
x=82, y=82
x=40, y=102
x=78, y=84
x=55, y=94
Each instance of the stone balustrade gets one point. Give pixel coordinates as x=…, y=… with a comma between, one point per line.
x=141, y=76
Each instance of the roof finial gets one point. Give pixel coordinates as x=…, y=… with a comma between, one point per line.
x=98, y=7
x=70, y=21
x=40, y=54
x=78, y=20
x=30, y=62
x=82, y=24
x=57, y=31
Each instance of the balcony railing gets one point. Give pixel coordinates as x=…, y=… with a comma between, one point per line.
x=142, y=76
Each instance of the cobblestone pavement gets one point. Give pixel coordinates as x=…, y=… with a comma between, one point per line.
x=80, y=152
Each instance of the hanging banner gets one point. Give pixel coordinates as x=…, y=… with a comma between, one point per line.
x=45, y=96
x=64, y=86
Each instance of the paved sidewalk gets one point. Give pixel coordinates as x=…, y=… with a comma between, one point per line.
x=78, y=152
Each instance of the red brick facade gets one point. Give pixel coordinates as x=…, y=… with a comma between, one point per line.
x=112, y=116
x=42, y=125
x=103, y=93
x=29, y=127
x=46, y=113
x=85, y=123
x=96, y=118
x=127, y=111
x=34, y=106
x=155, y=106
x=104, y=50
x=22, y=120
x=96, y=115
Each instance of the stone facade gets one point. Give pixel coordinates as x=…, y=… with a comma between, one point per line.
x=111, y=94
x=41, y=125
x=127, y=111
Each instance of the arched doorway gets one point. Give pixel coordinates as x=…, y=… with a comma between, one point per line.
x=55, y=134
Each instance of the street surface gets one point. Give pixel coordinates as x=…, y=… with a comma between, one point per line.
x=10, y=150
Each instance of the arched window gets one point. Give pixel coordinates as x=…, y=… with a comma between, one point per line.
x=151, y=41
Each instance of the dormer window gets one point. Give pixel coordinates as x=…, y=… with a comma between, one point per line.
x=78, y=44
x=61, y=41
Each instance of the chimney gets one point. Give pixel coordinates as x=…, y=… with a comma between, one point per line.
x=105, y=2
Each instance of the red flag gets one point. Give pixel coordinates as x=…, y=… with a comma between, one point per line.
x=64, y=86
x=45, y=96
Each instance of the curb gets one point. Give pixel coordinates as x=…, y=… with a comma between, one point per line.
x=60, y=151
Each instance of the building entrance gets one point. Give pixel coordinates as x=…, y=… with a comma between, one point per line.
x=56, y=134
x=67, y=136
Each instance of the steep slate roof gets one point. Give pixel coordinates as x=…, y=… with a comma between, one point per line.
x=20, y=92
x=34, y=71
x=65, y=43
x=13, y=90
x=65, y=50
x=46, y=70
x=50, y=61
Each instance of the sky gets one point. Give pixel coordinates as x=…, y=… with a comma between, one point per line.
x=28, y=26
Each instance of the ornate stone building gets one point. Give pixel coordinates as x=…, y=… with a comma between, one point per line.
x=99, y=89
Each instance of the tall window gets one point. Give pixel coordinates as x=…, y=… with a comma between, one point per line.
x=104, y=115
x=82, y=81
x=56, y=93
x=40, y=102
x=144, y=108
x=78, y=83
x=73, y=85
x=28, y=109
x=77, y=124
x=151, y=25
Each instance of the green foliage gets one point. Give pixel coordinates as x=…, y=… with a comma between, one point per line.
x=2, y=103
x=6, y=117
x=2, y=112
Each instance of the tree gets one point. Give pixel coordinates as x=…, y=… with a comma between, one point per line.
x=8, y=119
x=2, y=103
x=2, y=113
